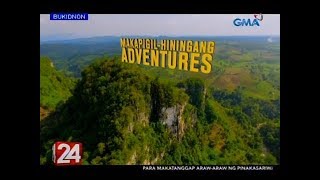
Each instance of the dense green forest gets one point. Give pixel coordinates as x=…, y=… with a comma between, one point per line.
x=131, y=114
x=55, y=86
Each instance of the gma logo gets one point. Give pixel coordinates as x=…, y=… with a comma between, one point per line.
x=246, y=22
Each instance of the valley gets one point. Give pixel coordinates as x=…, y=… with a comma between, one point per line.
x=134, y=114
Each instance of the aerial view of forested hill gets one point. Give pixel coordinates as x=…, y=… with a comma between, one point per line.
x=130, y=114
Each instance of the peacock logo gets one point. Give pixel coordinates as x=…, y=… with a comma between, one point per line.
x=258, y=16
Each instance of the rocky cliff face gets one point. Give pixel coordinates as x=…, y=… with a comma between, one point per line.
x=172, y=117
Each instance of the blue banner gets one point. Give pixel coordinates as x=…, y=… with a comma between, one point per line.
x=69, y=16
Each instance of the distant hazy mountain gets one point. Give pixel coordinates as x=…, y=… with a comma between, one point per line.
x=91, y=40
x=67, y=39
x=56, y=37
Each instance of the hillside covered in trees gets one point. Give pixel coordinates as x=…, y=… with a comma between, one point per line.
x=55, y=86
x=127, y=114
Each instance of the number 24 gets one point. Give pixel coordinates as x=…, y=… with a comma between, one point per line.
x=68, y=154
